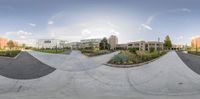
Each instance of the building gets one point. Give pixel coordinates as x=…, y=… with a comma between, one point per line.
x=3, y=42
x=122, y=46
x=75, y=45
x=195, y=42
x=52, y=43
x=90, y=43
x=146, y=46
x=113, y=41
x=178, y=47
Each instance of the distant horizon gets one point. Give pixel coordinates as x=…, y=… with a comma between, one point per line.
x=101, y=38
x=73, y=20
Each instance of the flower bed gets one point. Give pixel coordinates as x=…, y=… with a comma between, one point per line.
x=128, y=58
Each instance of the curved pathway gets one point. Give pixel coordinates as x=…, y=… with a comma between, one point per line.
x=75, y=61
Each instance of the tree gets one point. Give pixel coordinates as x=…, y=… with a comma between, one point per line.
x=167, y=42
x=11, y=44
x=104, y=44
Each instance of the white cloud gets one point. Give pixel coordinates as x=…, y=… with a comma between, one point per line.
x=146, y=26
x=112, y=25
x=149, y=20
x=20, y=36
x=86, y=32
x=178, y=10
x=186, y=10
x=180, y=37
x=51, y=22
x=193, y=37
x=114, y=32
x=83, y=30
x=23, y=37
x=32, y=24
x=19, y=33
x=29, y=42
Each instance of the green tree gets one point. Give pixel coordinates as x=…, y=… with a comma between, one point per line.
x=104, y=44
x=11, y=44
x=167, y=42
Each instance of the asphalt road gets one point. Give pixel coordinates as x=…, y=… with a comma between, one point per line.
x=24, y=66
x=192, y=61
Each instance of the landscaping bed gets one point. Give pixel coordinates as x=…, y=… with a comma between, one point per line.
x=9, y=53
x=92, y=53
x=129, y=58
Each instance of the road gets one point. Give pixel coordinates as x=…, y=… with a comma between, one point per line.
x=24, y=66
x=192, y=61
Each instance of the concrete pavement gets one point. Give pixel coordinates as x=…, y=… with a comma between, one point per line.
x=75, y=61
x=166, y=78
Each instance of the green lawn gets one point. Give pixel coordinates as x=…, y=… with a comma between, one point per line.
x=9, y=53
x=128, y=58
x=54, y=51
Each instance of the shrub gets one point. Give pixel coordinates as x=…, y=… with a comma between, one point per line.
x=151, y=50
x=127, y=57
x=132, y=50
x=119, y=59
x=9, y=53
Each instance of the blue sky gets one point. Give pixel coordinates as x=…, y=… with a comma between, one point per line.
x=72, y=20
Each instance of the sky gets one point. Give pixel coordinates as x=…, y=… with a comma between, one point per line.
x=131, y=20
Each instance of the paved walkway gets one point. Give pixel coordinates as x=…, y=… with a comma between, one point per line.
x=165, y=78
x=72, y=62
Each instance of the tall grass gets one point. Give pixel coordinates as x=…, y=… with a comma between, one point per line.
x=127, y=57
